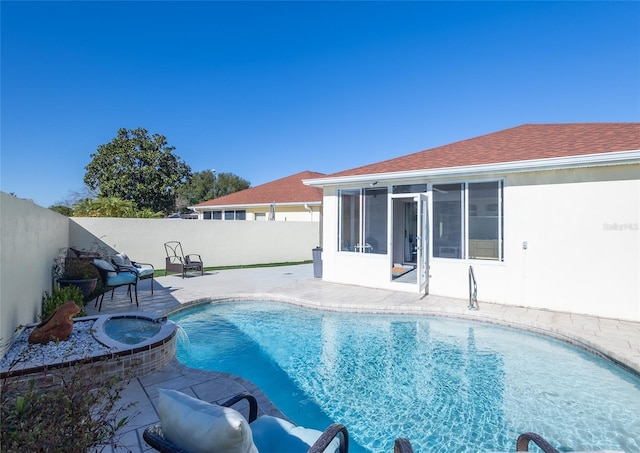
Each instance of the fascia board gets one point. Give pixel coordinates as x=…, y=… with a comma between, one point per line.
x=254, y=205
x=556, y=163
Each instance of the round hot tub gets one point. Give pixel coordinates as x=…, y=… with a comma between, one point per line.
x=133, y=330
x=136, y=341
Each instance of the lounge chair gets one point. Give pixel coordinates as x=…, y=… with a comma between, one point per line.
x=194, y=425
x=177, y=261
x=112, y=278
x=522, y=444
x=144, y=271
x=402, y=445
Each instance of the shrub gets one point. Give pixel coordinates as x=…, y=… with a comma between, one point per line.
x=59, y=296
x=77, y=414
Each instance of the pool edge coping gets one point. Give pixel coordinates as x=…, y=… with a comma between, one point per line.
x=557, y=334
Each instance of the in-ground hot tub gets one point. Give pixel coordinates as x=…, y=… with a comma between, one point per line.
x=132, y=329
x=135, y=342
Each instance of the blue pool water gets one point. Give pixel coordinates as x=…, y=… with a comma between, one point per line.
x=445, y=385
x=131, y=330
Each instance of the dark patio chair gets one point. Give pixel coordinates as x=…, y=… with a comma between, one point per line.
x=112, y=278
x=143, y=270
x=522, y=444
x=269, y=434
x=177, y=261
x=402, y=445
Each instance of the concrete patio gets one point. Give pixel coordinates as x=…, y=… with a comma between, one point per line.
x=618, y=340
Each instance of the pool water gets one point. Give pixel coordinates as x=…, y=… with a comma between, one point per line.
x=446, y=385
x=131, y=330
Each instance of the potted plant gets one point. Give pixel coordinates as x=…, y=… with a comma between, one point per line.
x=73, y=268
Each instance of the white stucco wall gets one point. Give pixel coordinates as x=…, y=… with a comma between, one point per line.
x=220, y=243
x=583, y=246
x=30, y=238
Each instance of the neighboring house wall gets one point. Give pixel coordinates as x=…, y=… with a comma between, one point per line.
x=582, y=256
x=30, y=238
x=283, y=213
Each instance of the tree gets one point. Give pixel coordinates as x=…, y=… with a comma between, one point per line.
x=137, y=167
x=112, y=207
x=201, y=187
x=60, y=209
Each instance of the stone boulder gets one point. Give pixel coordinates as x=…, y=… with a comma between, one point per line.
x=57, y=327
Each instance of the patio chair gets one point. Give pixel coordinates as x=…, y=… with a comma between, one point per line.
x=143, y=270
x=522, y=444
x=190, y=425
x=177, y=261
x=112, y=278
x=402, y=445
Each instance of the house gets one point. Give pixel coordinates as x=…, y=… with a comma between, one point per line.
x=285, y=199
x=546, y=216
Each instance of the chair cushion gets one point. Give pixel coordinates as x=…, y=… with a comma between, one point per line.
x=143, y=271
x=104, y=265
x=273, y=434
x=198, y=426
x=121, y=259
x=121, y=278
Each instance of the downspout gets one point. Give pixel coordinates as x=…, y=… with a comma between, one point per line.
x=308, y=208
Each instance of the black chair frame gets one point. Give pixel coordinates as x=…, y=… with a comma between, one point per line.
x=522, y=444
x=106, y=288
x=153, y=435
x=177, y=261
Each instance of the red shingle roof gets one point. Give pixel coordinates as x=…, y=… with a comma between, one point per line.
x=526, y=142
x=285, y=190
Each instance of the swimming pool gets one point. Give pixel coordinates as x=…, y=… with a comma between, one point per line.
x=446, y=385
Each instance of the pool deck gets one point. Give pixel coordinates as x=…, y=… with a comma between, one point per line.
x=618, y=340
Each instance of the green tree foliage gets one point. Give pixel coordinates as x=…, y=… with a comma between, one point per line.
x=64, y=210
x=228, y=183
x=201, y=187
x=112, y=207
x=138, y=167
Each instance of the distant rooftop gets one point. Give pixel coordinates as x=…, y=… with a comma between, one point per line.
x=288, y=190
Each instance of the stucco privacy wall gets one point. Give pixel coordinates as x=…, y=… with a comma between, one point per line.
x=583, y=246
x=220, y=243
x=30, y=237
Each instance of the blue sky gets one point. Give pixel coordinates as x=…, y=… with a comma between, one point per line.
x=268, y=89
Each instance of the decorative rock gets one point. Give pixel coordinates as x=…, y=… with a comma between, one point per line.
x=56, y=327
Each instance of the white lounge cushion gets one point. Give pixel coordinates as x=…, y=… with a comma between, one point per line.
x=201, y=427
x=273, y=434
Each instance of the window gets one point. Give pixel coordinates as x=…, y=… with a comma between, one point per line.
x=485, y=219
x=447, y=220
x=410, y=188
x=240, y=214
x=363, y=220
x=468, y=220
x=349, y=220
x=375, y=223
